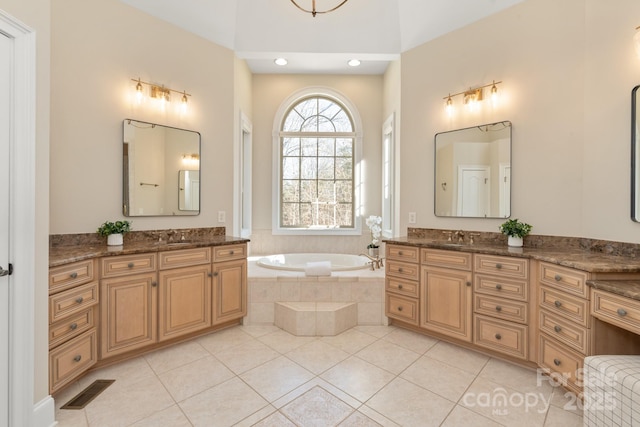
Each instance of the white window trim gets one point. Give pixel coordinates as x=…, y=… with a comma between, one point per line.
x=357, y=174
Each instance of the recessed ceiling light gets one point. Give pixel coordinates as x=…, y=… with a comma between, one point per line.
x=281, y=61
x=353, y=62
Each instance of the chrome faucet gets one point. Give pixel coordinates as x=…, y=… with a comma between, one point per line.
x=376, y=262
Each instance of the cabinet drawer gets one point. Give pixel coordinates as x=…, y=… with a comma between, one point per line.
x=504, y=337
x=567, y=306
x=617, y=310
x=497, y=286
x=563, y=278
x=72, y=301
x=404, y=287
x=70, y=275
x=575, y=336
x=403, y=253
x=184, y=258
x=514, y=311
x=563, y=364
x=402, y=308
x=403, y=270
x=504, y=266
x=229, y=252
x=446, y=259
x=71, y=327
x=128, y=264
x=71, y=359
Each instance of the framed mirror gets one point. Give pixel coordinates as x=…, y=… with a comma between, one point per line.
x=161, y=170
x=473, y=172
x=635, y=156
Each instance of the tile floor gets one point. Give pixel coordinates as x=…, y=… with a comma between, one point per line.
x=366, y=376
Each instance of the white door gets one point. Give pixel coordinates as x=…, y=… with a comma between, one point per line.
x=6, y=65
x=473, y=191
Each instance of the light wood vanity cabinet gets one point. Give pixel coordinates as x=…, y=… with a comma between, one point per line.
x=73, y=300
x=402, y=275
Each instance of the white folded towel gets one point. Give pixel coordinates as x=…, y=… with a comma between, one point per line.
x=319, y=268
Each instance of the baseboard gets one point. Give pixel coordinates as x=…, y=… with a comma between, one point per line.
x=44, y=413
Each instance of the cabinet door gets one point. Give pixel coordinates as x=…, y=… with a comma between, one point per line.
x=229, y=290
x=184, y=301
x=129, y=313
x=445, y=302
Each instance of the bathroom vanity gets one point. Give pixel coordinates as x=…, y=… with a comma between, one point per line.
x=109, y=304
x=546, y=308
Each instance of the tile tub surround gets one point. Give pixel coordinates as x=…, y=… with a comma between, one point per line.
x=268, y=286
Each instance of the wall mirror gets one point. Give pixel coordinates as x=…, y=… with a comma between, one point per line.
x=473, y=172
x=161, y=170
x=635, y=155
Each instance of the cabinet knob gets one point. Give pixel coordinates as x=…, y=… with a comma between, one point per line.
x=131, y=265
x=557, y=328
x=556, y=362
x=498, y=286
x=73, y=275
x=79, y=300
x=498, y=308
x=400, y=308
x=154, y=284
x=498, y=266
x=230, y=252
x=210, y=274
x=400, y=270
x=622, y=312
x=399, y=286
x=558, y=303
x=400, y=253
x=498, y=336
x=468, y=283
x=215, y=274
x=557, y=277
x=77, y=358
x=73, y=326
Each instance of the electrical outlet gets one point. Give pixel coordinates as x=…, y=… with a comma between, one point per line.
x=412, y=218
x=222, y=216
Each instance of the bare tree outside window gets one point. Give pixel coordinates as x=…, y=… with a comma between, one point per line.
x=317, y=166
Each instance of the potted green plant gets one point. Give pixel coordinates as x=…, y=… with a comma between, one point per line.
x=516, y=230
x=114, y=231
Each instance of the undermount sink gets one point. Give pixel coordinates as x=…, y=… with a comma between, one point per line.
x=449, y=244
x=180, y=243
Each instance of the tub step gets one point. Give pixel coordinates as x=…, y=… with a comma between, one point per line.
x=316, y=318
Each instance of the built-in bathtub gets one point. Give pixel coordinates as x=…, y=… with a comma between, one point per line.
x=299, y=262
x=355, y=284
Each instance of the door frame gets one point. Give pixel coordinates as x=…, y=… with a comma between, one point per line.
x=22, y=235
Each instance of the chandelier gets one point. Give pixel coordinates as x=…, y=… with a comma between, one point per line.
x=313, y=10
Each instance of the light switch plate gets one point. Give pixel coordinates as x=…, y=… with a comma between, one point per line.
x=412, y=218
x=222, y=216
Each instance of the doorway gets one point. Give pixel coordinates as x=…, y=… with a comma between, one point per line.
x=473, y=190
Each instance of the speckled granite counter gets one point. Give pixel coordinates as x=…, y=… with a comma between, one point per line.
x=625, y=288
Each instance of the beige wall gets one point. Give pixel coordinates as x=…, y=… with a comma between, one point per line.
x=36, y=14
x=97, y=48
x=269, y=91
x=566, y=89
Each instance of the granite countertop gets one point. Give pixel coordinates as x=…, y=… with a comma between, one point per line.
x=625, y=288
x=64, y=254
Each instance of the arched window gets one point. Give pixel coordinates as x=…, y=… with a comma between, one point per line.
x=317, y=160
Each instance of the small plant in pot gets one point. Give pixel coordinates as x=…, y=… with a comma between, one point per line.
x=516, y=230
x=114, y=231
x=374, y=224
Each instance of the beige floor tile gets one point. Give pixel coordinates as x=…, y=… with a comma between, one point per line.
x=358, y=419
x=223, y=405
x=283, y=342
x=71, y=418
x=259, y=330
x=377, y=416
x=128, y=371
x=388, y=356
x=459, y=357
x=62, y=397
x=438, y=377
x=256, y=417
x=317, y=356
x=195, y=377
x=463, y=417
x=376, y=331
x=275, y=420
x=124, y=403
x=411, y=340
x=170, y=417
x=276, y=378
x=247, y=356
x=516, y=377
x=358, y=378
x=557, y=417
x=566, y=400
x=350, y=341
x=174, y=356
x=223, y=340
x=409, y=405
x=317, y=408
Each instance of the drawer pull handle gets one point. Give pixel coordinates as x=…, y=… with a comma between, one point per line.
x=73, y=326
x=79, y=300
x=498, y=286
x=557, y=328
x=622, y=312
x=400, y=308
x=556, y=362
x=498, y=336
x=230, y=252
x=77, y=358
x=131, y=265
x=73, y=275
x=498, y=308
x=498, y=266
x=558, y=303
x=399, y=286
x=558, y=277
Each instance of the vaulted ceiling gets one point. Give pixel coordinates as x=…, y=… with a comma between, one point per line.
x=373, y=31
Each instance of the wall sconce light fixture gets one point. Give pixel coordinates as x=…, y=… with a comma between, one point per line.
x=161, y=93
x=472, y=97
x=636, y=41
